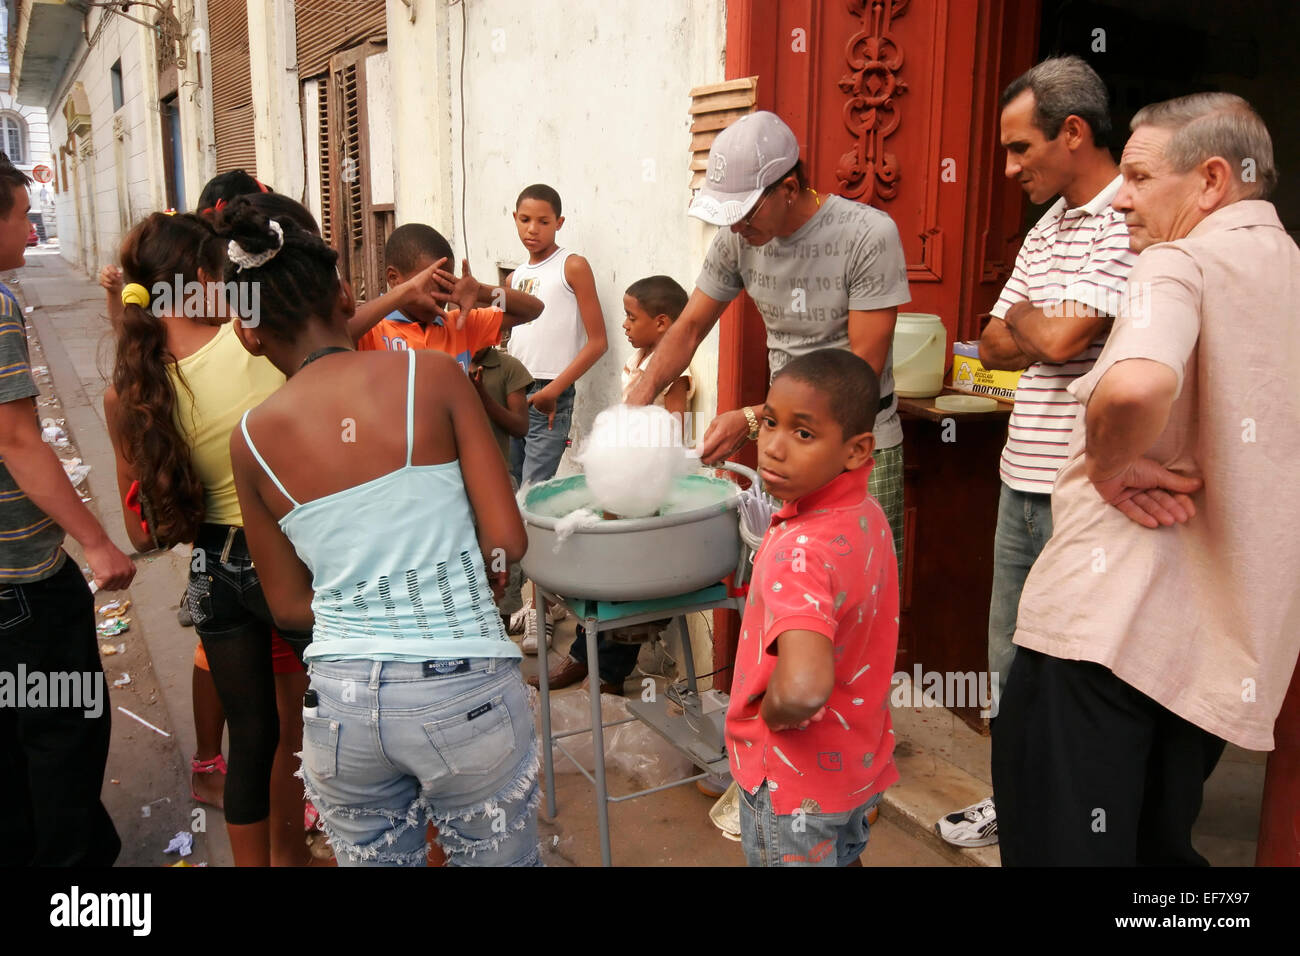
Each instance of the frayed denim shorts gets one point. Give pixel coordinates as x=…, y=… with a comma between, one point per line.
x=803, y=838
x=396, y=745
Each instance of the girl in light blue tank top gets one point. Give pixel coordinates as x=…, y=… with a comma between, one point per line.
x=401, y=590
x=417, y=712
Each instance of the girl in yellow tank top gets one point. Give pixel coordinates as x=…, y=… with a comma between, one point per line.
x=181, y=381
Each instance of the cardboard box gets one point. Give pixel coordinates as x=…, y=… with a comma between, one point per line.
x=970, y=375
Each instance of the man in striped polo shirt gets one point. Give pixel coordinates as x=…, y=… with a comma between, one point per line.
x=1052, y=320
x=54, y=721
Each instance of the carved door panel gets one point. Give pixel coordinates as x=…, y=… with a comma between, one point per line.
x=894, y=103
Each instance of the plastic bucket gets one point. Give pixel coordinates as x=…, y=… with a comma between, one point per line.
x=920, y=350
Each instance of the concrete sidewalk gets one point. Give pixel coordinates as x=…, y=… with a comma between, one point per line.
x=147, y=789
x=943, y=763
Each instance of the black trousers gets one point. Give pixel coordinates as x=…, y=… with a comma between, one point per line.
x=1088, y=771
x=230, y=614
x=617, y=660
x=53, y=751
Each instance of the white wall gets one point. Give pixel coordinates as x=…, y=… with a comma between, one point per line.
x=590, y=96
x=195, y=98
x=379, y=129
x=310, y=103
x=277, y=121
x=420, y=78
x=128, y=173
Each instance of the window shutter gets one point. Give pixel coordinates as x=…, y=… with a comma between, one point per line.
x=323, y=27
x=232, y=93
x=325, y=161
x=713, y=109
x=355, y=225
x=353, y=200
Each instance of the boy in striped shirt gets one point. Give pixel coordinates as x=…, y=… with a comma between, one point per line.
x=54, y=723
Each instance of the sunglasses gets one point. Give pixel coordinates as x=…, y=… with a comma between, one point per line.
x=748, y=220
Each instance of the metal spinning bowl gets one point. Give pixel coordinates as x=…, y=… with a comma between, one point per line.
x=634, y=559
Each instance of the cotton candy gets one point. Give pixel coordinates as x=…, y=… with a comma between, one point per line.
x=632, y=458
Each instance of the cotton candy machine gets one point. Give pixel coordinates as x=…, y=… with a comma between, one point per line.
x=693, y=541
x=617, y=572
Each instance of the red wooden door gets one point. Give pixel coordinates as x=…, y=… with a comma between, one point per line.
x=895, y=103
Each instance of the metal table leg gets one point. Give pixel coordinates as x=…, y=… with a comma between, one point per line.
x=592, y=627
x=544, y=688
x=688, y=656
x=597, y=740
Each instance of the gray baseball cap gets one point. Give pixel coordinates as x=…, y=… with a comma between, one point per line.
x=748, y=156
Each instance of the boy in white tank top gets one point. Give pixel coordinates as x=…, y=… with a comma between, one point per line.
x=563, y=343
x=560, y=346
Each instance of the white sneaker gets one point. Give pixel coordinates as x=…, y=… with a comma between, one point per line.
x=529, y=644
x=518, y=620
x=977, y=825
x=556, y=613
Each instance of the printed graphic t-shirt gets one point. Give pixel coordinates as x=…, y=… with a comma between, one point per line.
x=826, y=565
x=396, y=332
x=847, y=256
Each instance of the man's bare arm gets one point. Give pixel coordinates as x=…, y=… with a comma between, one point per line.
x=871, y=334
x=1127, y=411
x=998, y=348
x=37, y=471
x=1057, y=332
x=419, y=286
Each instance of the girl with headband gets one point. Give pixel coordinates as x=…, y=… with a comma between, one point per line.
x=180, y=383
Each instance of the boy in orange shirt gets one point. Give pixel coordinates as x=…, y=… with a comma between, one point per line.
x=462, y=330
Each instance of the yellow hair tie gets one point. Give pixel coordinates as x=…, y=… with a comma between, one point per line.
x=135, y=294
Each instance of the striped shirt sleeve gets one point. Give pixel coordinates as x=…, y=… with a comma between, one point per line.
x=1100, y=282
x=15, y=368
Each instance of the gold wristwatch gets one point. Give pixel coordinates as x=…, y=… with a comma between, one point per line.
x=753, y=423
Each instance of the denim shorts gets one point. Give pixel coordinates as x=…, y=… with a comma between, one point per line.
x=396, y=745
x=224, y=595
x=536, y=456
x=801, y=838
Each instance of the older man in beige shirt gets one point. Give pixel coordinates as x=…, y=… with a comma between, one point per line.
x=1163, y=617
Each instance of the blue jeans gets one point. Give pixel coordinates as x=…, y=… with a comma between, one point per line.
x=225, y=600
x=801, y=838
x=536, y=456
x=1024, y=525
x=396, y=745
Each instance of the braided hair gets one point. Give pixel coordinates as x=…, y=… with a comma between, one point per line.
x=295, y=276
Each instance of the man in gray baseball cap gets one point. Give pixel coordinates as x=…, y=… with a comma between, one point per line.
x=749, y=156
x=823, y=274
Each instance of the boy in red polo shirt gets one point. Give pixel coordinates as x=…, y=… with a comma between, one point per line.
x=809, y=733
x=410, y=250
